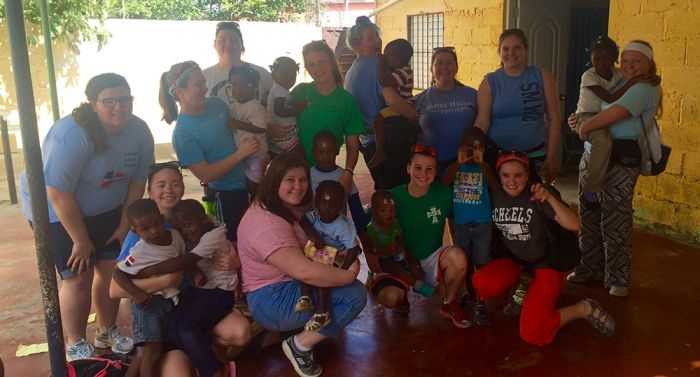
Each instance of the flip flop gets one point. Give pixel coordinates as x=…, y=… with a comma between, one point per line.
x=600, y=319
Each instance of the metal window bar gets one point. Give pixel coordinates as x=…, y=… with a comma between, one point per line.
x=425, y=32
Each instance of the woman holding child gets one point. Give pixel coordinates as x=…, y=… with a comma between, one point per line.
x=446, y=108
x=204, y=143
x=330, y=108
x=606, y=234
x=519, y=106
x=166, y=188
x=270, y=241
x=95, y=163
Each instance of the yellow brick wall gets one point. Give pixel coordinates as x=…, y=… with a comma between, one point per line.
x=670, y=203
x=471, y=26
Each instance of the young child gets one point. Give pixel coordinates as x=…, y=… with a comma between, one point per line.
x=211, y=299
x=471, y=179
x=394, y=72
x=148, y=312
x=326, y=225
x=281, y=108
x=248, y=119
x=598, y=85
x=325, y=151
x=389, y=245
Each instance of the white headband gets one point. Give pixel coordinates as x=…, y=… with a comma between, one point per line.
x=639, y=47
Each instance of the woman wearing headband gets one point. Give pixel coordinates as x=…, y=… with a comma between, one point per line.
x=519, y=106
x=606, y=231
x=229, y=47
x=203, y=142
x=95, y=165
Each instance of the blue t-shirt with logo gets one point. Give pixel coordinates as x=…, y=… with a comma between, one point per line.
x=470, y=195
x=99, y=183
x=207, y=138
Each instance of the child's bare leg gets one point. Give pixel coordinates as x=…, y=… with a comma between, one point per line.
x=321, y=317
x=322, y=303
x=151, y=355
x=304, y=303
x=350, y=258
x=135, y=367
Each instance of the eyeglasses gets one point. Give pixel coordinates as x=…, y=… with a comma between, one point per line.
x=158, y=166
x=424, y=149
x=111, y=101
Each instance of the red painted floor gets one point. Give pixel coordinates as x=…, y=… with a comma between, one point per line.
x=658, y=326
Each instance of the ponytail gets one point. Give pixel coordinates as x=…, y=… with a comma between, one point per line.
x=167, y=101
x=87, y=119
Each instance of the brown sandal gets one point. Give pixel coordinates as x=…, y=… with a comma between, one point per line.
x=318, y=321
x=303, y=305
x=599, y=318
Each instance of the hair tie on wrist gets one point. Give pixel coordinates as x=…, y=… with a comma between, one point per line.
x=350, y=170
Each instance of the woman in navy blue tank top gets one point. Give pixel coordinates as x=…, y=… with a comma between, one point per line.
x=518, y=105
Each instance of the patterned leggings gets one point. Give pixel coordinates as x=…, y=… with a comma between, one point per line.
x=605, y=238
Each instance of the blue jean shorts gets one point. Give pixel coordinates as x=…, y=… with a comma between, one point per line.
x=475, y=240
x=148, y=322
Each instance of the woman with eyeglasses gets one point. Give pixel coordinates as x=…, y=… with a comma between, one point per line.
x=95, y=165
x=518, y=107
x=228, y=42
x=423, y=207
x=362, y=82
x=204, y=143
x=446, y=108
x=331, y=108
x=166, y=188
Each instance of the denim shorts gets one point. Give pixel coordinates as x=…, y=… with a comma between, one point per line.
x=148, y=322
x=475, y=240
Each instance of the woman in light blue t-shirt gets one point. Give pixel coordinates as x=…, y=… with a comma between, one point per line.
x=606, y=223
x=519, y=107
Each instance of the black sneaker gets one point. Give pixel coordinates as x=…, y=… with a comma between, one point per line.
x=303, y=362
x=481, y=315
x=467, y=300
x=511, y=310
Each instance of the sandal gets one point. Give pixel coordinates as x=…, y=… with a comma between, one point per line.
x=318, y=321
x=303, y=305
x=599, y=318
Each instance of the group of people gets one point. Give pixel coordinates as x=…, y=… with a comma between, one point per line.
x=282, y=242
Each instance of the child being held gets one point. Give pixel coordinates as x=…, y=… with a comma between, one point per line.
x=389, y=245
x=281, y=108
x=211, y=299
x=149, y=312
x=248, y=120
x=325, y=151
x=600, y=83
x=471, y=179
x=394, y=72
x=326, y=225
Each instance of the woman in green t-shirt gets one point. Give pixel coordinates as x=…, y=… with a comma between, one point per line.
x=330, y=108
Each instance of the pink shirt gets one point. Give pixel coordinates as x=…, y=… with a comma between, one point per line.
x=260, y=234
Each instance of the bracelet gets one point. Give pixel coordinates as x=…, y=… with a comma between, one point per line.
x=350, y=170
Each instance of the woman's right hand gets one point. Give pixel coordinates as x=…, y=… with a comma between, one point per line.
x=248, y=147
x=355, y=267
x=79, y=260
x=572, y=120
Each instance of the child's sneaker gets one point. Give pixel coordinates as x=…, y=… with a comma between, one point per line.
x=318, y=321
x=114, y=339
x=481, y=315
x=303, y=305
x=467, y=300
x=453, y=311
x=511, y=310
x=303, y=362
x=80, y=350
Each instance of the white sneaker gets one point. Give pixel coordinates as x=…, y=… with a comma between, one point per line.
x=113, y=338
x=619, y=291
x=80, y=350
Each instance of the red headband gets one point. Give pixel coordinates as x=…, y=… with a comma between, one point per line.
x=513, y=156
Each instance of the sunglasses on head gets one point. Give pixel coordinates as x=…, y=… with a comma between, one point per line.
x=424, y=149
x=158, y=166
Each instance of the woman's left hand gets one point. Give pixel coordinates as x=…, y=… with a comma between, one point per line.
x=539, y=193
x=119, y=234
x=549, y=169
x=227, y=260
x=346, y=181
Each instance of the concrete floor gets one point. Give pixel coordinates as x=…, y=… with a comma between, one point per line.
x=658, y=324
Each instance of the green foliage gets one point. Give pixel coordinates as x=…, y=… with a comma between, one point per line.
x=253, y=10
x=69, y=20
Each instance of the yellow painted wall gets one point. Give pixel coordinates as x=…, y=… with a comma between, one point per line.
x=670, y=203
x=471, y=26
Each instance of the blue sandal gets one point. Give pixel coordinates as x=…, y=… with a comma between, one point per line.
x=600, y=319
